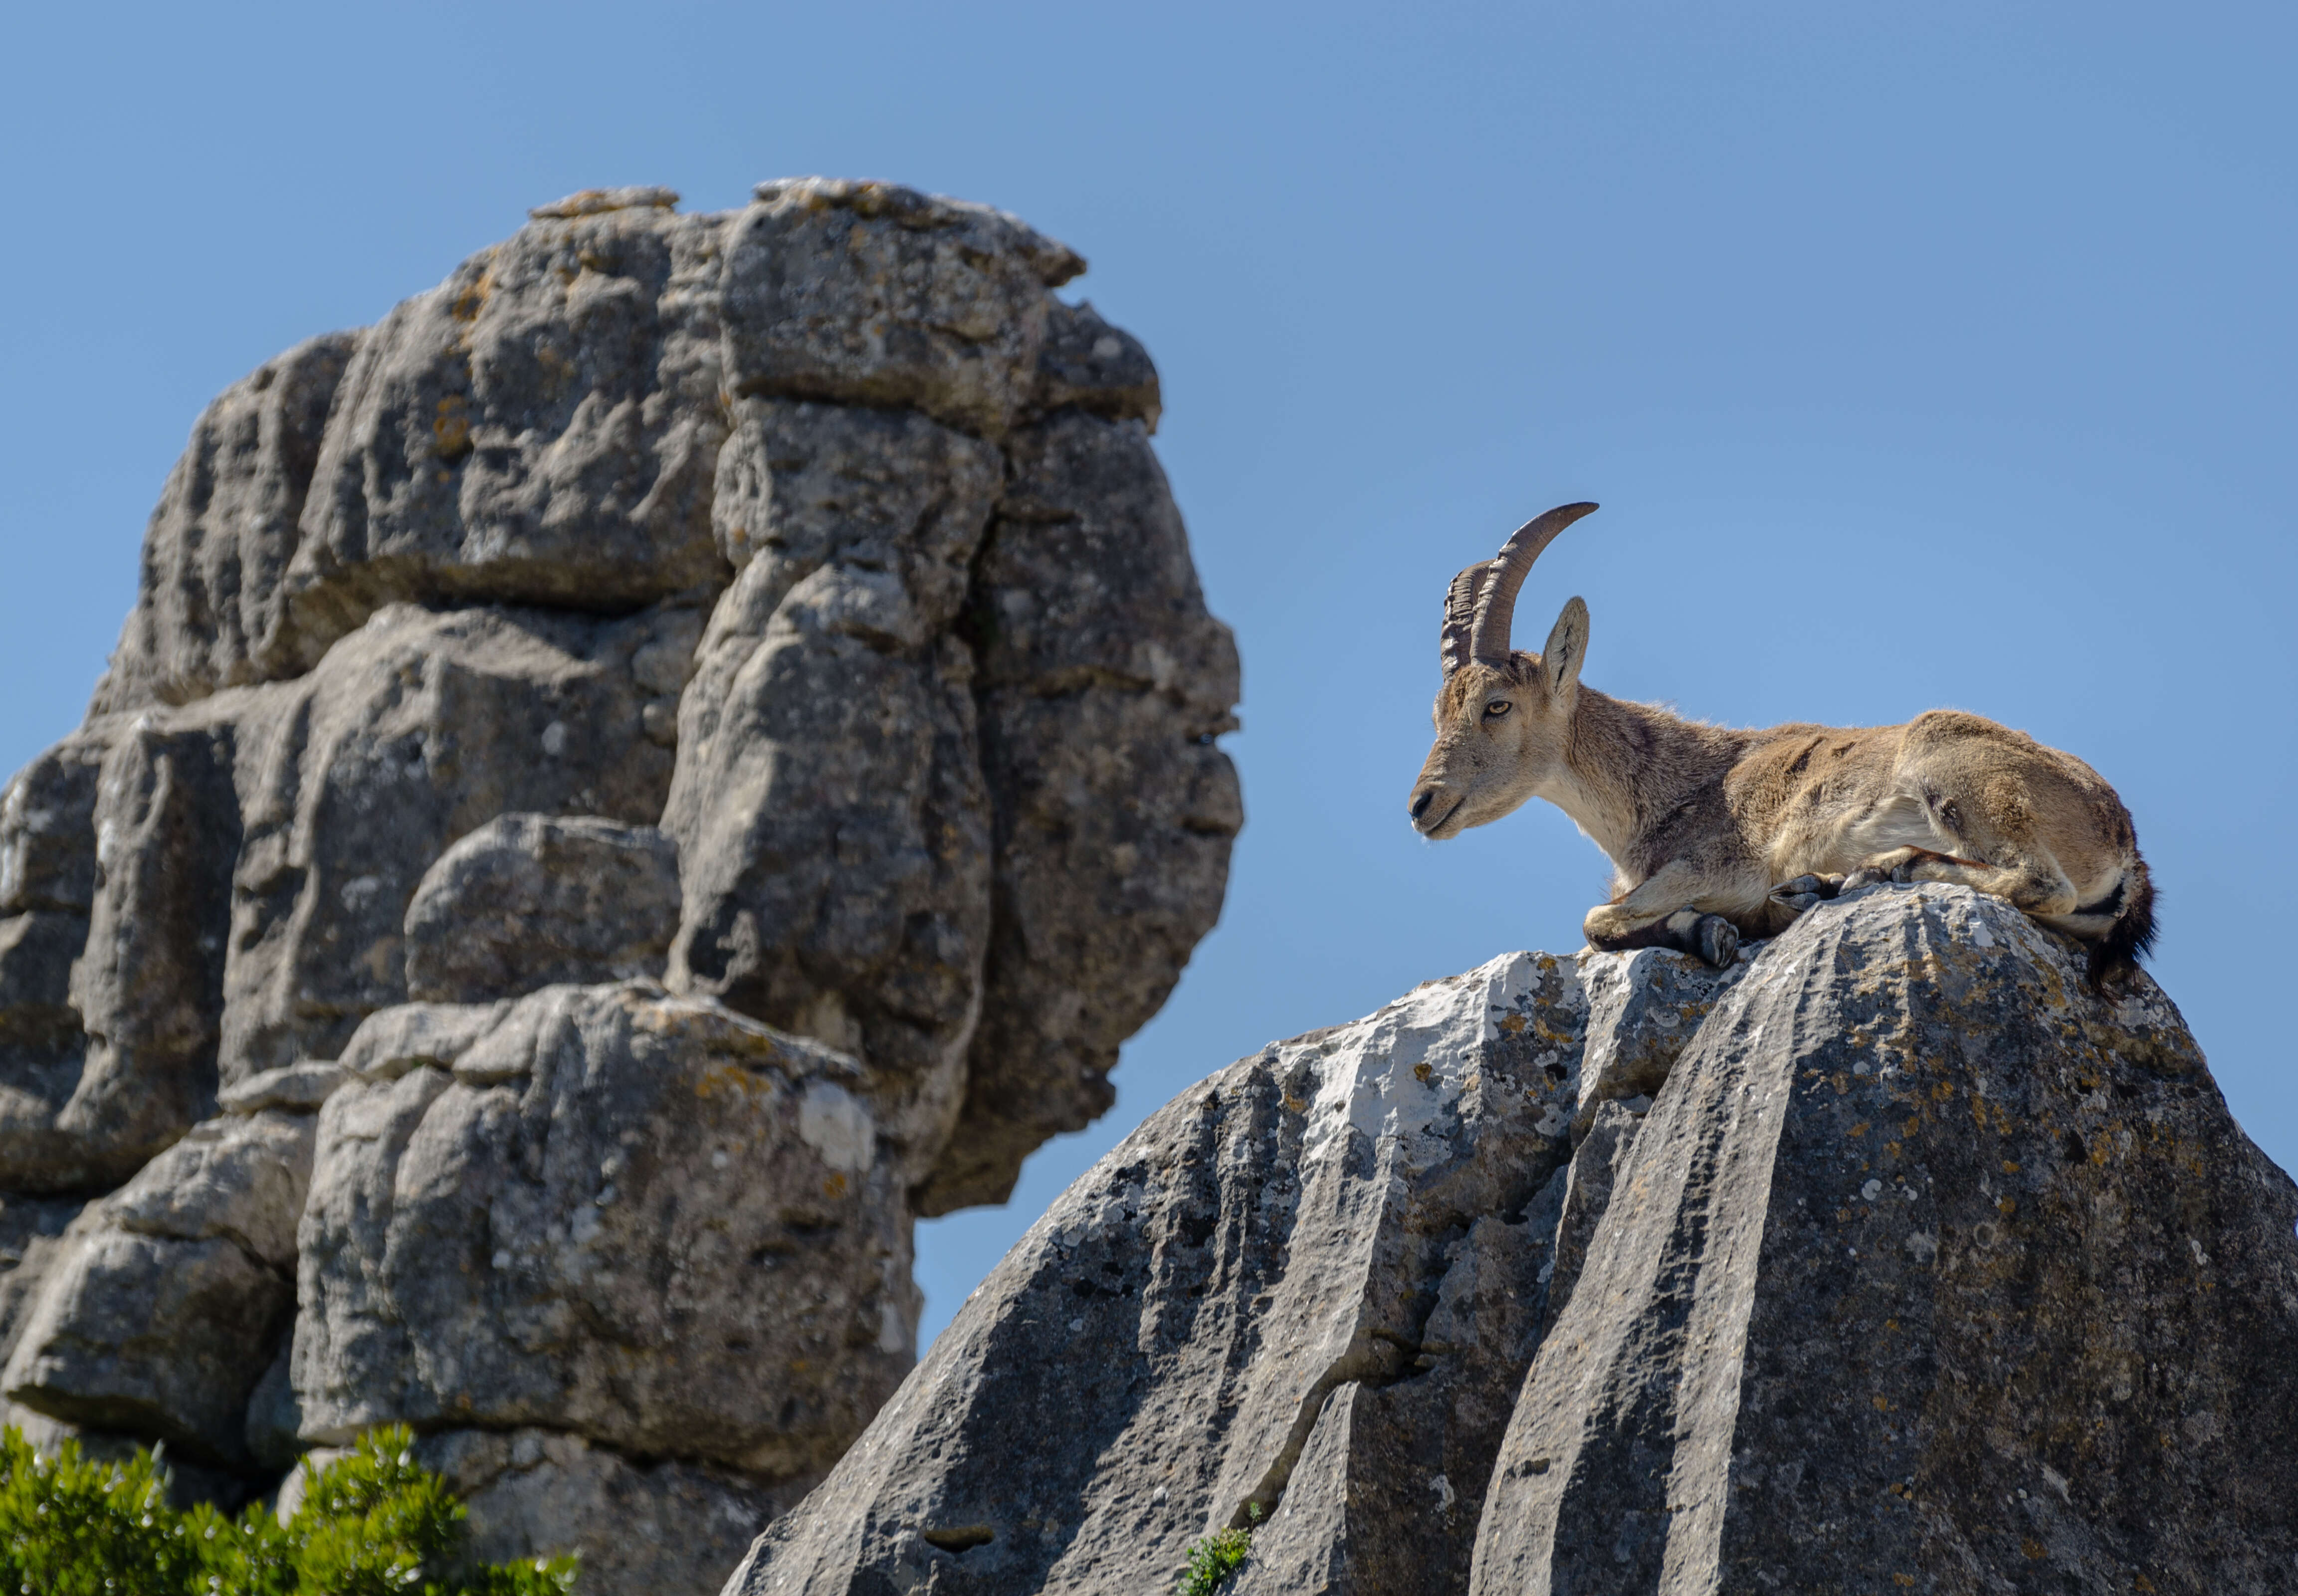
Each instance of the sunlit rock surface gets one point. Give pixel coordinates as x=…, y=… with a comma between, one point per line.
x=1892, y=1258
x=683, y=747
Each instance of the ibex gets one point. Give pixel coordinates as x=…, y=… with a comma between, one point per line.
x=1716, y=834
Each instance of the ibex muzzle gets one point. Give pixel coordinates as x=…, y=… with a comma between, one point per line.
x=1716, y=834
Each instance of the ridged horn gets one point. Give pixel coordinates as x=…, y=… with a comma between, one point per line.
x=1488, y=638
x=1460, y=614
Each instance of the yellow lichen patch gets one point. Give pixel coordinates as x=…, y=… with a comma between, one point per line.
x=2031, y=1550
x=834, y=1186
x=472, y=300
x=1512, y=1024
x=721, y=1078
x=1882, y=1404
x=2007, y=1206
x=2010, y=1166
x=450, y=428
x=1422, y=1073
x=1892, y=1148
x=1942, y=1091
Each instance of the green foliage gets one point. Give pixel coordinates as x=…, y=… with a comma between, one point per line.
x=1212, y=1561
x=372, y=1524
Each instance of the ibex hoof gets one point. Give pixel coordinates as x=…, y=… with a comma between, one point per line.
x=1717, y=940
x=1804, y=890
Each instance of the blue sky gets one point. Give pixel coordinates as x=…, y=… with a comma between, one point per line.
x=1917, y=360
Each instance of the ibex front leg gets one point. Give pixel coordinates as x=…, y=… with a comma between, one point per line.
x=1659, y=914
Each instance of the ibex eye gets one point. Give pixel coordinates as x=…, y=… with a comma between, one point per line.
x=1497, y=709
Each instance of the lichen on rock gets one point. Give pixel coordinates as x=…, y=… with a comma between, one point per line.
x=611, y=615
x=1912, y=1259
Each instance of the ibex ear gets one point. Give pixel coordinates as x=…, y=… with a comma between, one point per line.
x=1559, y=662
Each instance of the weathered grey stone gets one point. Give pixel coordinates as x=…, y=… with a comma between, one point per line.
x=1587, y=1186
x=299, y=1088
x=827, y=508
x=273, y=1430
x=149, y=986
x=640, y=1529
x=1095, y=367
x=47, y=886
x=535, y=900
x=1103, y=684
x=36, y=951
x=174, y=1292
x=1643, y=1008
x=415, y=731
x=642, y=1220
x=540, y=429
x=655, y=1529
x=32, y=1233
x=47, y=828
x=1355, y=1208
x=1929, y=1266
x=872, y=293
x=211, y=602
x=390, y=1043
x=597, y=201
x=828, y=811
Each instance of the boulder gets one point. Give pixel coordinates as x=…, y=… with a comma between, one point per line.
x=871, y=294
x=665, y=1526
x=1643, y=1009
x=642, y=1219
x=828, y=810
x=1927, y=1263
x=149, y=986
x=540, y=429
x=1095, y=367
x=211, y=602
x=414, y=733
x=173, y=1292
x=529, y=901
x=1102, y=685
x=1311, y=1279
x=32, y=1233
x=47, y=828
x=783, y=604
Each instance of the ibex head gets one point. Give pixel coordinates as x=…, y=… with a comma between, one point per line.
x=1503, y=719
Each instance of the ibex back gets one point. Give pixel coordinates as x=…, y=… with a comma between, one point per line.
x=1716, y=834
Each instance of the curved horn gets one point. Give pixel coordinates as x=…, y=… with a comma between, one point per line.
x=1460, y=614
x=1488, y=640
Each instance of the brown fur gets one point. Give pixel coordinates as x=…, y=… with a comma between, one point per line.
x=1711, y=819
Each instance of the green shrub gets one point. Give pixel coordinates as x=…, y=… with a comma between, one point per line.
x=371, y=1524
x=1212, y=1561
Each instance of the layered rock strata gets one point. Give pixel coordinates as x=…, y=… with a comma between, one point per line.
x=1893, y=1257
x=611, y=801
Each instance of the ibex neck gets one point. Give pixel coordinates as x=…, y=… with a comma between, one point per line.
x=1628, y=767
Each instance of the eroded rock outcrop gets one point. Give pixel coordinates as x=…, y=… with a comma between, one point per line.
x=610, y=802
x=1910, y=1262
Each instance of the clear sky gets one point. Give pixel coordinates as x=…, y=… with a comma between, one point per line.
x=1917, y=360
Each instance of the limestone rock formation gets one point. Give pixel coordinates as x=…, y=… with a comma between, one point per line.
x=1909, y=1262
x=613, y=798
